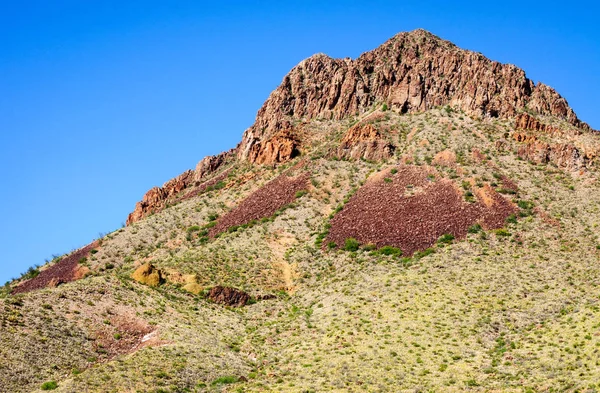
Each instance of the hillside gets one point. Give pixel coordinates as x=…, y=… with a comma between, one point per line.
x=420, y=218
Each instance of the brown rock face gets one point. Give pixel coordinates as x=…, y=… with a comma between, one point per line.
x=281, y=147
x=563, y=154
x=210, y=164
x=364, y=141
x=411, y=72
x=156, y=198
x=228, y=296
x=527, y=122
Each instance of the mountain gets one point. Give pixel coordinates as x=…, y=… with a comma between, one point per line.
x=418, y=219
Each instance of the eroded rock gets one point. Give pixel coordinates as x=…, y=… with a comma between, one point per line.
x=364, y=141
x=228, y=296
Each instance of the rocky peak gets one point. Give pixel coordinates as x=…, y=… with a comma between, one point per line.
x=411, y=72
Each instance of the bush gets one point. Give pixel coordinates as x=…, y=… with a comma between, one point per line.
x=384, y=107
x=389, y=250
x=351, y=244
x=446, y=238
x=224, y=380
x=49, y=385
x=512, y=219
x=474, y=228
x=301, y=193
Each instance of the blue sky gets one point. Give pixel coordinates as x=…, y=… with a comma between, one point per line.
x=101, y=100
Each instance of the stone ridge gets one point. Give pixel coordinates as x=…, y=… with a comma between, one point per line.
x=411, y=72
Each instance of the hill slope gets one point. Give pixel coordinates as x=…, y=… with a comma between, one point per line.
x=420, y=218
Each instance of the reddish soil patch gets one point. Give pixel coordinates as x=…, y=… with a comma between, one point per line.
x=66, y=270
x=264, y=202
x=413, y=210
x=125, y=334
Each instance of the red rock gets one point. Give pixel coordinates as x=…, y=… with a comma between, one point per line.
x=411, y=72
x=364, y=141
x=228, y=296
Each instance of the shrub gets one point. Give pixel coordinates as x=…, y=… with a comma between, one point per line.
x=394, y=171
x=474, y=228
x=213, y=216
x=384, y=107
x=512, y=219
x=389, y=250
x=301, y=193
x=502, y=232
x=51, y=385
x=446, y=238
x=351, y=244
x=424, y=253
x=224, y=380
x=194, y=228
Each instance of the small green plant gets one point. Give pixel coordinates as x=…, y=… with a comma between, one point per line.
x=394, y=171
x=446, y=238
x=384, y=107
x=224, y=380
x=301, y=193
x=512, y=219
x=475, y=228
x=502, y=232
x=389, y=250
x=387, y=180
x=351, y=244
x=51, y=385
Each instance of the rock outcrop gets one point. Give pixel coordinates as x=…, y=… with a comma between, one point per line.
x=147, y=274
x=526, y=122
x=564, y=153
x=156, y=198
x=210, y=164
x=228, y=296
x=364, y=141
x=281, y=147
x=411, y=72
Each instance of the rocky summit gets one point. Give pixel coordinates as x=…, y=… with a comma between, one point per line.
x=420, y=218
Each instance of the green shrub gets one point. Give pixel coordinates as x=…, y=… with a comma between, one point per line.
x=446, y=238
x=389, y=250
x=351, y=244
x=224, y=380
x=49, y=385
x=512, y=219
x=502, y=232
x=474, y=228
x=301, y=193
x=331, y=245
x=213, y=216
x=424, y=253
x=194, y=228
x=394, y=171
x=384, y=107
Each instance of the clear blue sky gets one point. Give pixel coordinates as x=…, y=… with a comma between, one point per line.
x=101, y=100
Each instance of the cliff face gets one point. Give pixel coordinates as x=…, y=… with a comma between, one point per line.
x=411, y=72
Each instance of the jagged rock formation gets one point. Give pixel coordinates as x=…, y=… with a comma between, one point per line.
x=210, y=164
x=364, y=141
x=228, y=296
x=155, y=199
x=562, y=154
x=411, y=72
x=281, y=147
x=526, y=122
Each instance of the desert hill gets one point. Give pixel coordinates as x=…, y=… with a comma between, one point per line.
x=420, y=218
